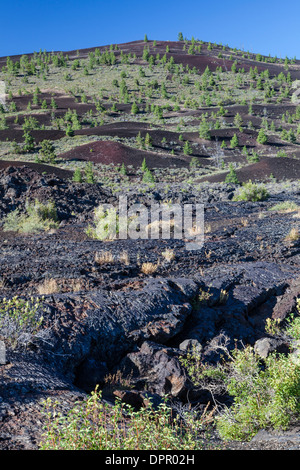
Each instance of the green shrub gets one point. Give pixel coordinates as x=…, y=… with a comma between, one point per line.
x=187, y=150
x=264, y=397
x=265, y=392
x=204, y=130
x=38, y=217
x=293, y=325
x=251, y=192
x=134, y=108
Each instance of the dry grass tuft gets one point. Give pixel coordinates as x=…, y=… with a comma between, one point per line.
x=104, y=257
x=49, y=286
x=149, y=268
x=293, y=235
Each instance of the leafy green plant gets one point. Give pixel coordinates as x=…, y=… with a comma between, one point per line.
x=94, y=425
x=89, y=173
x=263, y=396
x=187, y=150
x=293, y=324
x=20, y=319
x=265, y=392
x=148, y=176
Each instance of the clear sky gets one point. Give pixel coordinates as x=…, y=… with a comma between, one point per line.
x=264, y=26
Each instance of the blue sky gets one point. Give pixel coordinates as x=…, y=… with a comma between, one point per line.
x=263, y=26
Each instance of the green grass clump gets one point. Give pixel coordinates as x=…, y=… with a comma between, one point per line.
x=38, y=217
x=286, y=206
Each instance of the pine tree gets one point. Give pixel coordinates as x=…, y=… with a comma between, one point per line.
x=144, y=166
x=238, y=121
x=28, y=142
x=77, y=176
x=53, y=104
x=234, y=142
x=262, y=138
x=180, y=37
x=204, y=130
x=123, y=170
x=148, y=141
x=89, y=173
x=69, y=131
x=187, y=150
x=47, y=151
x=134, y=108
x=139, y=140
x=232, y=176
x=148, y=177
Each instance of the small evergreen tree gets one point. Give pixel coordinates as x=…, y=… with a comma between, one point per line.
x=139, y=140
x=89, y=173
x=262, y=138
x=204, y=130
x=134, y=108
x=69, y=131
x=148, y=177
x=47, y=151
x=238, y=121
x=144, y=166
x=187, y=150
x=234, y=142
x=28, y=142
x=232, y=176
x=77, y=176
x=148, y=141
x=123, y=170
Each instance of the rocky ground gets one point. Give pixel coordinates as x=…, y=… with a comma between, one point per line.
x=105, y=315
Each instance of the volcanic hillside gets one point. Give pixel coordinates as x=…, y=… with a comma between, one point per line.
x=174, y=104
